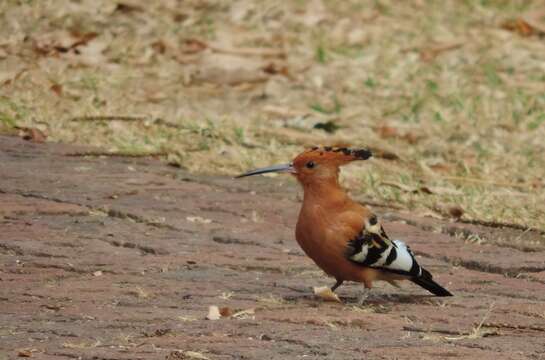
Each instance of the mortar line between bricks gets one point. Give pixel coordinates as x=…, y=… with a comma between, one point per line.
x=118, y=214
x=486, y=268
x=475, y=346
x=475, y=265
x=67, y=355
x=484, y=224
x=446, y=229
x=114, y=213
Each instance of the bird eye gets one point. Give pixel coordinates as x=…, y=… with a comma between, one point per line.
x=310, y=164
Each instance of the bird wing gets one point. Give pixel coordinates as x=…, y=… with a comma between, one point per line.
x=373, y=248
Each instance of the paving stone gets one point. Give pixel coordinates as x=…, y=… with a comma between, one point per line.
x=109, y=257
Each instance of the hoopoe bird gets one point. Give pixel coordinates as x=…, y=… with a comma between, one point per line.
x=344, y=238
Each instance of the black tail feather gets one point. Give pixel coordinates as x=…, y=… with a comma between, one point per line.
x=425, y=280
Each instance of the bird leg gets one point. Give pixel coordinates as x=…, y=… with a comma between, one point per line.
x=337, y=284
x=362, y=297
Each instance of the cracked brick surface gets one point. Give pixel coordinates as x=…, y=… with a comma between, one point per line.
x=115, y=258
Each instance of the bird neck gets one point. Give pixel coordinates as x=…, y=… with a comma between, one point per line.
x=327, y=192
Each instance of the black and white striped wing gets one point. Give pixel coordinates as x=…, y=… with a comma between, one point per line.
x=372, y=248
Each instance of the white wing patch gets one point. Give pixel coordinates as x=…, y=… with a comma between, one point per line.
x=372, y=247
x=405, y=259
x=384, y=257
x=360, y=256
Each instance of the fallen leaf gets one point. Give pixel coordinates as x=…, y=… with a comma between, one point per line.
x=56, y=88
x=175, y=355
x=276, y=69
x=455, y=211
x=387, y=132
x=424, y=189
x=139, y=292
x=226, y=311
x=213, y=313
x=192, y=46
x=123, y=7
x=440, y=167
x=61, y=41
x=325, y=293
x=6, y=78
x=31, y=134
x=328, y=126
x=198, y=219
x=519, y=26
x=248, y=51
x=405, y=188
x=159, y=46
x=83, y=39
x=537, y=183
x=440, y=190
x=195, y=355
x=243, y=313
x=24, y=353
x=383, y=154
x=411, y=137
x=449, y=210
x=430, y=53
x=158, y=332
x=536, y=20
x=184, y=355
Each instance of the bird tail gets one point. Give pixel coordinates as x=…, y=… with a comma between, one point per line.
x=426, y=281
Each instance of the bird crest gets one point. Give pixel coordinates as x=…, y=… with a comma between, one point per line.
x=331, y=155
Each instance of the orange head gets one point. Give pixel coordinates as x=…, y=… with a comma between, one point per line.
x=316, y=164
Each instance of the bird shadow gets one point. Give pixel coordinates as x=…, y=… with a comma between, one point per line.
x=372, y=299
x=391, y=299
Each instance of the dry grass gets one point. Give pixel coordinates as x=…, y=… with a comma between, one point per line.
x=222, y=86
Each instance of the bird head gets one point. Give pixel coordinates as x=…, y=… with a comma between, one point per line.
x=316, y=164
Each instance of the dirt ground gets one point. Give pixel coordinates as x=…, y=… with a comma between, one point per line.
x=119, y=258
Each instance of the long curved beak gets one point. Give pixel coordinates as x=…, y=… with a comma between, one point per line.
x=283, y=168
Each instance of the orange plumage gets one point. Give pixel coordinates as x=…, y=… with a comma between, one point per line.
x=341, y=236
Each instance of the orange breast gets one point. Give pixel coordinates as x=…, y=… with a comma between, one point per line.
x=324, y=240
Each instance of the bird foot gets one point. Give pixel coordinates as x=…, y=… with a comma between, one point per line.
x=362, y=298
